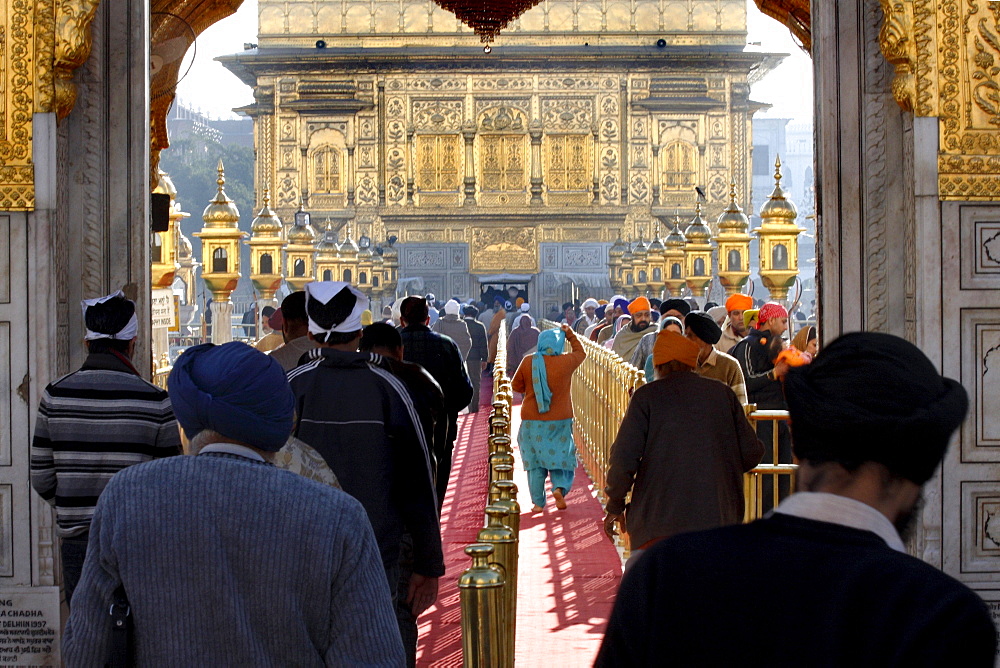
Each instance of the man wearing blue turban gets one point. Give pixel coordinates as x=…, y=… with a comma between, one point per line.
x=546, y=434
x=224, y=559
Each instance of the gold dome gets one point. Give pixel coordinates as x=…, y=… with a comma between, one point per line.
x=676, y=238
x=267, y=223
x=733, y=219
x=184, y=250
x=640, y=251
x=348, y=247
x=302, y=234
x=656, y=245
x=698, y=231
x=221, y=211
x=618, y=248
x=164, y=185
x=778, y=206
x=327, y=243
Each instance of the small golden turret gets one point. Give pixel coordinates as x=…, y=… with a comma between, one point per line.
x=733, y=241
x=778, y=236
x=698, y=255
x=265, y=250
x=327, y=257
x=674, y=259
x=220, y=242
x=300, y=252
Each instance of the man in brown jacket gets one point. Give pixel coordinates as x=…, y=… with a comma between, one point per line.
x=682, y=450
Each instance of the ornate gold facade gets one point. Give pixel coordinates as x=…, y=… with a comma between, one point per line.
x=577, y=126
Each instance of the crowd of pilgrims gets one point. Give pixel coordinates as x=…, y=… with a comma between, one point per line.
x=302, y=527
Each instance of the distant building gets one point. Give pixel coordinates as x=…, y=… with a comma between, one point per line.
x=184, y=122
x=793, y=143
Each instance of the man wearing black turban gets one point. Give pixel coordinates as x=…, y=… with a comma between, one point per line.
x=871, y=421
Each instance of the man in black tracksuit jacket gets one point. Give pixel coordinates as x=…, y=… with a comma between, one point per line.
x=363, y=422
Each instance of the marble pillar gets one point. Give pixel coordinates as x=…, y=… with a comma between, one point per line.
x=893, y=257
x=222, y=321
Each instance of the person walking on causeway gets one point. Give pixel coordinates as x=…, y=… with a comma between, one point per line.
x=546, y=434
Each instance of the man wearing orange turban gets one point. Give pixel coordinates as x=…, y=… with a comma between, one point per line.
x=681, y=451
x=733, y=329
x=627, y=339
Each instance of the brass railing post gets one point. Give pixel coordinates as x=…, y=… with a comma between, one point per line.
x=504, y=544
x=481, y=590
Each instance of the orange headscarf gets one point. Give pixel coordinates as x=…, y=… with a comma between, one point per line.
x=673, y=346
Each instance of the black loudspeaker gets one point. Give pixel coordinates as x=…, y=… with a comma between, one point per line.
x=159, y=212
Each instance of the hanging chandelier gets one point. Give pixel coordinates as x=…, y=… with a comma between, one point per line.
x=487, y=17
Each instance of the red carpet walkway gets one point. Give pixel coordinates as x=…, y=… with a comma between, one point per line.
x=568, y=571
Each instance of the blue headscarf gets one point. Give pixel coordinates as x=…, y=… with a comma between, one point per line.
x=234, y=390
x=550, y=342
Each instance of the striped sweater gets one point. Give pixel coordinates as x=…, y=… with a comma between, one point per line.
x=91, y=424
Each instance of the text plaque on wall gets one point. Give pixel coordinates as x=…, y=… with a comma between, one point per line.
x=29, y=626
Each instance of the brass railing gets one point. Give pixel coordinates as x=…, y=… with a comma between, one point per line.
x=602, y=388
x=777, y=472
x=488, y=589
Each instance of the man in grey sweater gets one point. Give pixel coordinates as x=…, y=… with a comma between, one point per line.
x=225, y=559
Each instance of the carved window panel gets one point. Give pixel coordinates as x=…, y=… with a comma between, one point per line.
x=680, y=167
x=327, y=170
x=569, y=162
x=502, y=163
x=439, y=163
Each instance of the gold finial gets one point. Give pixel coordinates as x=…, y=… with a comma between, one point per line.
x=697, y=208
x=732, y=192
x=222, y=174
x=777, y=170
x=267, y=197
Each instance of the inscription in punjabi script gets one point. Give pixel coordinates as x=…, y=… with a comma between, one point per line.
x=504, y=250
x=29, y=626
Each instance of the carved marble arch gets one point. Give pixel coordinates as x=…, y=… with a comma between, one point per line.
x=794, y=15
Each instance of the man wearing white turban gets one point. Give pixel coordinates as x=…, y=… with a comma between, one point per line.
x=100, y=419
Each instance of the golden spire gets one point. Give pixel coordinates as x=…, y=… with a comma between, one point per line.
x=777, y=205
x=221, y=211
x=733, y=218
x=267, y=223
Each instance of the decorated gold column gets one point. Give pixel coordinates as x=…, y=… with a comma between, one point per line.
x=698, y=255
x=733, y=241
x=163, y=254
x=628, y=270
x=265, y=252
x=640, y=268
x=779, y=241
x=390, y=256
x=220, y=252
x=349, y=259
x=615, y=264
x=656, y=263
x=674, y=259
x=365, y=264
x=300, y=252
x=327, y=256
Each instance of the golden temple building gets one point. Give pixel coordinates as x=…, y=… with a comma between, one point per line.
x=518, y=166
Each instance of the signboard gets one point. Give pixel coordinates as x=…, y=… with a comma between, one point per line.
x=176, y=327
x=29, y=626
x=162, y=306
